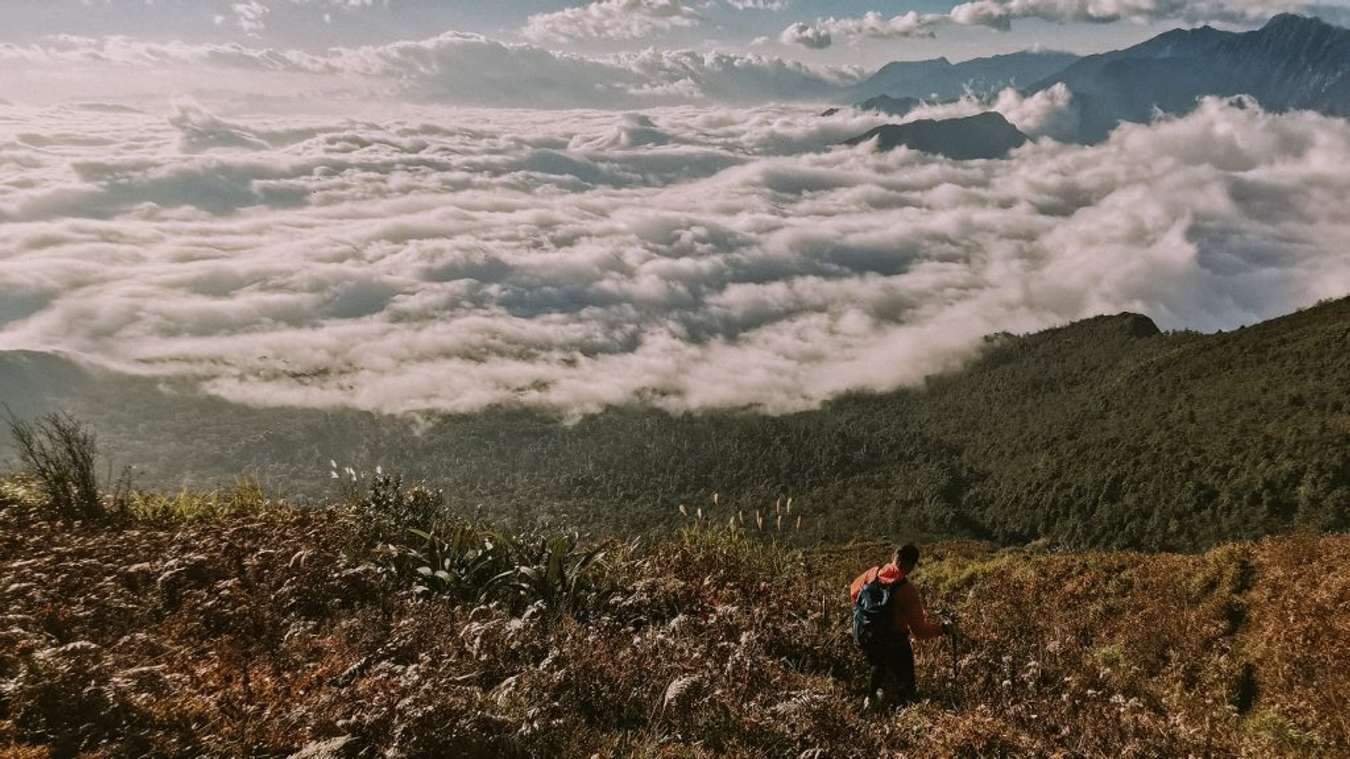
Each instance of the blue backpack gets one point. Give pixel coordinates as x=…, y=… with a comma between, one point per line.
x=873, y=623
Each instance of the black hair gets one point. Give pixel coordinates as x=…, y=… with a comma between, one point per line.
x=907, y=555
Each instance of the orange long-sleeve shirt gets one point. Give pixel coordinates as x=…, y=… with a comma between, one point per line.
x=907, y=606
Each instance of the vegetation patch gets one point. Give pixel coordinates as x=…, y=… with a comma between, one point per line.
x=228, y=624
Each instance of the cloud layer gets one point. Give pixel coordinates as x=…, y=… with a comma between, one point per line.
x=453, y=67
x=871, y=25
x=1000, y=14
x=690, y=257
x=629, y=19
x=611, y=19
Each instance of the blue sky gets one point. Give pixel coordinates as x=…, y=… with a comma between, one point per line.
x=314, y=24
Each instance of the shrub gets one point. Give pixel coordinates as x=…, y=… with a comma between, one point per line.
x=386, y=508
x=466, y=562
x=556, y=570
x=61, y=452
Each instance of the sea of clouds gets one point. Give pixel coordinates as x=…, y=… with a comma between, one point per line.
x=425, y=255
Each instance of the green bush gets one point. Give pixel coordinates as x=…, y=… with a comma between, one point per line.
x=416, y=537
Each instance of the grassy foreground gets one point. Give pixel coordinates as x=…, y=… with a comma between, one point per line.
x=227, y=625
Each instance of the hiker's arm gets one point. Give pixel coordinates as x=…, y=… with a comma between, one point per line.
x=919, y=624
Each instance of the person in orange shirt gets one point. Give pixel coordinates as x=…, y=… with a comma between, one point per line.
x=889, y=613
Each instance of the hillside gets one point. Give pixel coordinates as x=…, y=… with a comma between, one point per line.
x=227, y=625
x=1103, y=433
x=986, y=135
x=1293, y=62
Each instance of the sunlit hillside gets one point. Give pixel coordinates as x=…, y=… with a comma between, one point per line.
x=228, y=625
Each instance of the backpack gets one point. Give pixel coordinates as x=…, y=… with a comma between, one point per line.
x=873, y=623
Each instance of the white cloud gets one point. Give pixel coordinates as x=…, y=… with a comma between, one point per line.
x=999, y=14
x=871, y=25
x=806, y=35
x=611, y=19
x=250, y=17
x=691, y=256
x=1048, y=113
x=627, y=19
x=452, y=67
x=758, y=5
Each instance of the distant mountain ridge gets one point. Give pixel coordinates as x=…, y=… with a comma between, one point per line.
x=940, y=79
x=1293, y=62
x=984, y=135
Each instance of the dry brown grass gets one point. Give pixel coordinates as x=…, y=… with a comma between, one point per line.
x=258, y=631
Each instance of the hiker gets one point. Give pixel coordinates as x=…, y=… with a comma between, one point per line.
x=887, y=610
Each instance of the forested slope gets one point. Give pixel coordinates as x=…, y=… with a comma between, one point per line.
x=1102, y=433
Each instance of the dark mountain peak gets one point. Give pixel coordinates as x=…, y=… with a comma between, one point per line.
x=1130, y=324
x=1182, y=33
x=1294, y=21
x=940, y=78
x=1292, y=36
x=1113, y=329
x=927, y=63
x=1294, y=29
x=984, y=135
x=890, y=106
x=1174, y=43
x=1031, y=53
x=1293, y=62
x=990, y=117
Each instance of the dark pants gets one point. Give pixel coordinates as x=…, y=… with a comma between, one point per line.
x=893, y=670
